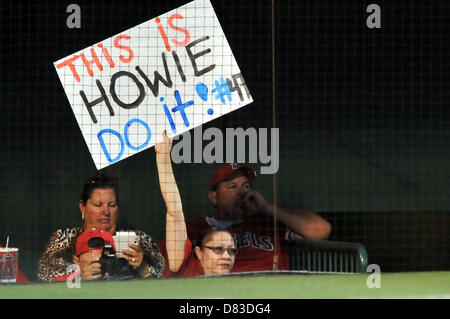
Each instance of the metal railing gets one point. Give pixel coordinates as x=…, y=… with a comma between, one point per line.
x=327, y=256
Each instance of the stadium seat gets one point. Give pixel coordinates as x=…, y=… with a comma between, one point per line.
x=326, y=256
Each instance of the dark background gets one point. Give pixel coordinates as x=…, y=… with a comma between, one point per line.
x=362, y=113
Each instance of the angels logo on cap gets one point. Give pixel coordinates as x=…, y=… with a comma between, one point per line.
x=226, y=171
x=82, y=244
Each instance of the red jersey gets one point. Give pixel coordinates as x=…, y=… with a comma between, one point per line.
x=254, y=239
x=191, y=266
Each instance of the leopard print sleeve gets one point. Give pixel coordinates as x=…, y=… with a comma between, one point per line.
x=154, y=262
x=58, y=254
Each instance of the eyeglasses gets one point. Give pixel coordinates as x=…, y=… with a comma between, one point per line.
x=220, y=250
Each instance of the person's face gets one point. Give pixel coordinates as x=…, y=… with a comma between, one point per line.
x=228, y=198
x=212, y=262
x=101, y=210
x=88, y=257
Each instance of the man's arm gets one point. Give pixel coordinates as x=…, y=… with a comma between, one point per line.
x=306, y=224
x=175, y=225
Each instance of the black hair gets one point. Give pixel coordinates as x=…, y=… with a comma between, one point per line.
x=99, y=181
x=207, y=233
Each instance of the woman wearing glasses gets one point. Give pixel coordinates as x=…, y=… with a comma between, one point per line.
x=215, y=252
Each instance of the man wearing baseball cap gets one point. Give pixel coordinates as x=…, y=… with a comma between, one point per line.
x=89, y=248
x=245, y=213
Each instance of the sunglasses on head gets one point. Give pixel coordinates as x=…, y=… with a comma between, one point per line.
x=220, y=250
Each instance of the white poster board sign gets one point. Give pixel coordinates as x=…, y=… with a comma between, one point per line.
x=174, y=73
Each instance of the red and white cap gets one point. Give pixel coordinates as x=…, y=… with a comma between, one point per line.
x=82, y=245
x=225, y=172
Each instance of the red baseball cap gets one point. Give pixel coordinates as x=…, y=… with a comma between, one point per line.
x=225, y=173
x=82, y=245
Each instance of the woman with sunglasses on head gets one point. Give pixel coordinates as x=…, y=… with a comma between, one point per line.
x=99, y=207
x=215, y=252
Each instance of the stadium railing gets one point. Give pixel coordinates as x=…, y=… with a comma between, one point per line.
x=326, y=256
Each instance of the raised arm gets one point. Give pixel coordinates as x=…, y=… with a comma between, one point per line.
x=175, y=225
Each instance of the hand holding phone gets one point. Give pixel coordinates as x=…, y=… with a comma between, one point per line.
x=122, y=239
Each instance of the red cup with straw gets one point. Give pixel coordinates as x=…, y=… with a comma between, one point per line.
x=9, y=263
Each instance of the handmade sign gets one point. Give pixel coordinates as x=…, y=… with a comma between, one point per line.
x=174, y=73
